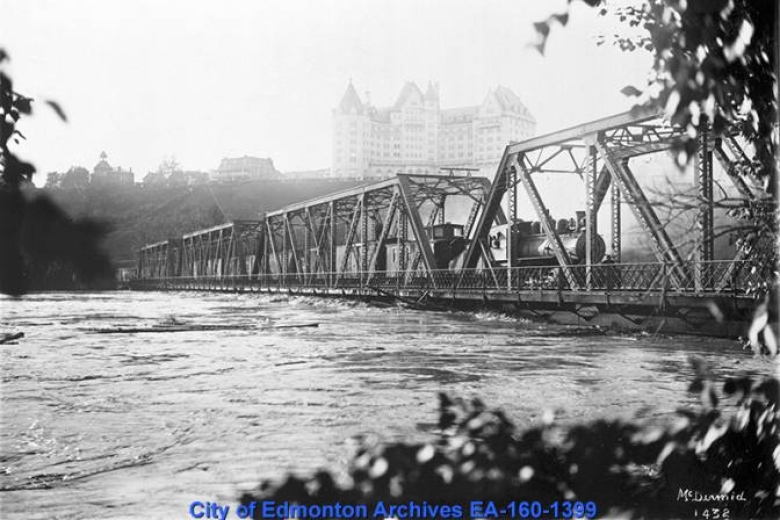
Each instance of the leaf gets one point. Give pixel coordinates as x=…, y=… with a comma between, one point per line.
x=23, y=105
x=57, y=109
x=770, y=389
x=734, y=385
x=562, y=18
x=630, y=90
x=542, y=28
x=713, y=397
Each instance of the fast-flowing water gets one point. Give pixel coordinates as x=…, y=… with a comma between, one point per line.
x=138, y=425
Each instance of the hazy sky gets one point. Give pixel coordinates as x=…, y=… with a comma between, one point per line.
x=198, y=80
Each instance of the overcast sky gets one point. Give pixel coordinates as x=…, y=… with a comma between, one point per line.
x=201, y=80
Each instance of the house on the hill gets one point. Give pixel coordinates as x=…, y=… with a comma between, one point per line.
x=244, y=168
x=105, y=174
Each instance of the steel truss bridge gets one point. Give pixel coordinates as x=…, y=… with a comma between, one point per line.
x=378, y=241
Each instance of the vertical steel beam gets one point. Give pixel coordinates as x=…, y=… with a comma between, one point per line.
x=704, y=217
x=219, y=259
x=616, y=223
x=193, y=249
x=591, y=216
x=317, y=237
x=350, y=239
x=232, y=252
x=332, y=244
x=307, y=238
x=363, y=234
x=293, y=245
x=285, y=260
x=264, y=269
x=511, y=180
x=403, y=239
x=549, y=228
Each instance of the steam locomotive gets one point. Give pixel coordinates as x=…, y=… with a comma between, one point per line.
x=531, y=246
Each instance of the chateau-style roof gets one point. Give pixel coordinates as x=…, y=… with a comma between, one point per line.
x=409, y=89
x=351, y=101
x=511, y=101
x=507, y=100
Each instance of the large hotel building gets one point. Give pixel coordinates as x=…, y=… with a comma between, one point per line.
x=416, y=135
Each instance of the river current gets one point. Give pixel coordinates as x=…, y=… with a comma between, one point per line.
x=140, y=424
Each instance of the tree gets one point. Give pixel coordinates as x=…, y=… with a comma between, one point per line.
x=53, y=179
x=715, y=64
x=715, y=67
x=169, y=165
x=75, y=177
x=604, y=468
x=168, y=174
x=38, y=239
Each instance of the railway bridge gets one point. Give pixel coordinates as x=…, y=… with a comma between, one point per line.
x=441, y=241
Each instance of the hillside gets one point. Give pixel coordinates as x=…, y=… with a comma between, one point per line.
x=140, y=215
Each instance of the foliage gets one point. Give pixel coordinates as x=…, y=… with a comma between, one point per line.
x=636, y=468
x=168, y=173
x=77, y=177
x=713, y=64
x=38, y=238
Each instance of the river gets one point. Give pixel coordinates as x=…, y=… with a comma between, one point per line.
x=138, y=425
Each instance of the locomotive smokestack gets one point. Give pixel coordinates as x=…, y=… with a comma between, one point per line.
x=580, y=219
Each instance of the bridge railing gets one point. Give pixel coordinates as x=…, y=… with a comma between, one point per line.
x=717, y=277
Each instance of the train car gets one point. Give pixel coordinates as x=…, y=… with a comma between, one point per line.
x=447, y=242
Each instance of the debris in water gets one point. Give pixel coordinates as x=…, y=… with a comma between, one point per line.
x=12, y=336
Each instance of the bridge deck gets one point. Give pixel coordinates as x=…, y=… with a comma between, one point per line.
x=639, y=294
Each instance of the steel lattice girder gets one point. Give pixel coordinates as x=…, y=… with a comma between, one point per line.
x=618, y=139
x=367, y=215
x=225, y=247
x=158, y=260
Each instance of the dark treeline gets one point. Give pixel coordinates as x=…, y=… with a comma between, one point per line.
x=138, y=215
